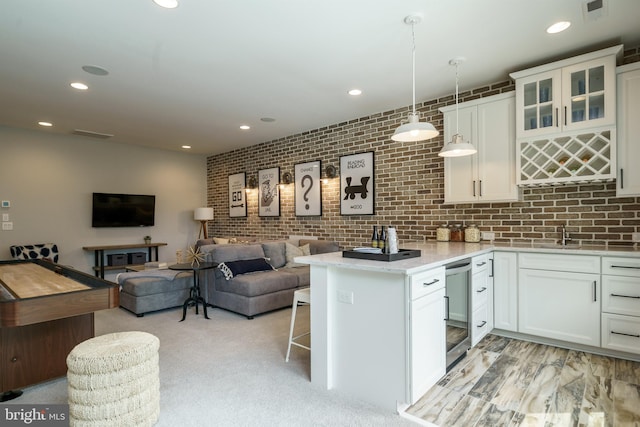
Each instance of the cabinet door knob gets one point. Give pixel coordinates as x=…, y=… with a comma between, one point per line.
x=14, y=359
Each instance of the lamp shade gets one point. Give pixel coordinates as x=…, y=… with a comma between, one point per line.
x=415, y=130
x=457, y=148
x=203, y=214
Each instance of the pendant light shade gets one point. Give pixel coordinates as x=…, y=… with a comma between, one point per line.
x=457, y=147
x=415, y=130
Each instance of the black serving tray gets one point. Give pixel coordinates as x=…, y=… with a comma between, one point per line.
x=402, y=254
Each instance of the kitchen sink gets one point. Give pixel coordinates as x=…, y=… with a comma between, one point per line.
x=560, y=246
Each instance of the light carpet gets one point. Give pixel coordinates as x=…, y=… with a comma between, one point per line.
x=230, y=371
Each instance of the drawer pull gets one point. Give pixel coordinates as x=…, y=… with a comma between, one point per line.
x=430, y=283
x=481, y=290
x=633, y=267
x=626, y=335
x=481, y=264
x=484, y=322
x=625, y=296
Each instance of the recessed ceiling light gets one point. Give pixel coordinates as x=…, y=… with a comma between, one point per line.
x=95, y=70
x=355, y=92
x=245, y=127
x=186, y=147
x=167, y=4
x=46, y=124
x=79, y=86
x=558, y=27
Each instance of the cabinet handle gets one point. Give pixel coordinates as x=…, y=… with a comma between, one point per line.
x=595, y=287
x=492, y=266
x=480, y=188
x=625, y=296
x=633, y=267
x=626, y=335
x=474, y=188
x=446, y=316
x=481, y=264
x=621, y=178
x=424, y=284
x=565, y=115
x=557, y=121
x=481, y=290
x=484, y=322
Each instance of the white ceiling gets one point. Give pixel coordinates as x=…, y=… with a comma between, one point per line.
x=194, y=74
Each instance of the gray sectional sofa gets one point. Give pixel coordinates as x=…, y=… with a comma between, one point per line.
x=253, y=293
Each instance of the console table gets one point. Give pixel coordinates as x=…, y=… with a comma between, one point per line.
x=99, y=266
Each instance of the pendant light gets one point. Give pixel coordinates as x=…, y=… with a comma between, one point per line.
x=415, y=130
x=457, y=147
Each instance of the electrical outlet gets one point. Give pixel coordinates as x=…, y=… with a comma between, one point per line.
x=635, y=237
x=345, y=297
x=487, y=235
x=7, y=226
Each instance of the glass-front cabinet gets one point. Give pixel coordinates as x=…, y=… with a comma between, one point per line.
x=572, y=94
x=566, y=120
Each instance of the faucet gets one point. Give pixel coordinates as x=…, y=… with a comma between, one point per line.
x=565, y=236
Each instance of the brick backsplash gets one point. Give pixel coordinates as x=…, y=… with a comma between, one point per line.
x=409, y=186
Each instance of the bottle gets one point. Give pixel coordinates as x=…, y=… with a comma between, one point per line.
x=374, y=237
x=382, y=239
x=443, y=233
x=472, y=234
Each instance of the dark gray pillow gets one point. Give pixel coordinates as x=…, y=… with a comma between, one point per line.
x=320, y=246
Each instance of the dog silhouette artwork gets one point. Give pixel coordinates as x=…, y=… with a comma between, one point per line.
x=351, y=190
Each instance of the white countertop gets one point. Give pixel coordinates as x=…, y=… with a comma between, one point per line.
x=435, y=254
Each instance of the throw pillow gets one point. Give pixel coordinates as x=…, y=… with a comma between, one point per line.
x=220, y=241
x=230, y=269
x=292, y=251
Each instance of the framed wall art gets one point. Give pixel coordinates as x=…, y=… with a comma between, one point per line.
x=269, y=192
x=308, y=188
x=357, y=186
x=237, y=195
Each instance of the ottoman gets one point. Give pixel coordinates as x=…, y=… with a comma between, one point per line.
x=151, y=290
x=114, y=380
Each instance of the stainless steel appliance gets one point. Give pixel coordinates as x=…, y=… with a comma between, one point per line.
x=458, y=297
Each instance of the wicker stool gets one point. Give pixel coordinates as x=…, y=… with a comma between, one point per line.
x=113, y=380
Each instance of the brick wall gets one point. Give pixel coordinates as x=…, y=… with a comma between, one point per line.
x=410, y=188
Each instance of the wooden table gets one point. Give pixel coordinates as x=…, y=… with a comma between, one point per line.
x=45, y=310
x=98, y=254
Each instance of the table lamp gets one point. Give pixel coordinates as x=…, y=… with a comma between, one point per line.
x=203, y=215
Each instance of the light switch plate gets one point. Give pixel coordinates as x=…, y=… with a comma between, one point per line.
x=635, y=237
x=7, y=226
x=6, y=204
x=5, y=217
x=486, y=235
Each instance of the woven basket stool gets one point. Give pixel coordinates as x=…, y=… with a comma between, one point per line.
x=114, y=380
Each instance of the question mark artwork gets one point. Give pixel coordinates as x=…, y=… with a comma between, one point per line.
x=308, y=192
x=268, y=192
x=357, y=184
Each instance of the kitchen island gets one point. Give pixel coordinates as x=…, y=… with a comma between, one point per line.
x=377, y=328
x=377, y=334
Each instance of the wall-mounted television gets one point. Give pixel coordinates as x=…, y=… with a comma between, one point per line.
x=123, y=210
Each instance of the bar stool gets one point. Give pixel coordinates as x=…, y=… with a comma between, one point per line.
x=300, y=296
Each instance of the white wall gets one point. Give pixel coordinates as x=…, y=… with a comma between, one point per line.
x=49, y=180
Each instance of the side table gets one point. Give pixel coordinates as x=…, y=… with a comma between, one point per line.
x=195, y=296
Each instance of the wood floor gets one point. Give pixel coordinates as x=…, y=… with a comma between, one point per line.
x=508, y=382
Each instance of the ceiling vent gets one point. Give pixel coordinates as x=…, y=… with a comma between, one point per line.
x=91, y=134
x=594, y=9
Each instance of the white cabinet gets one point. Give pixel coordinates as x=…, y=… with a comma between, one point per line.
x=566, y=120
x=490, y=174
x=556, y=301
x=628, y=182
x=621, y=304
x=428, y=338
x=481, y=288
x=568, y=95
x=505, y=291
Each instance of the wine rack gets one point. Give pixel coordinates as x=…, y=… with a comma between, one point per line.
x=567, y=159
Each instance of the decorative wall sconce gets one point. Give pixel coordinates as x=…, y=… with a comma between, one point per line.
x=329, y=172
x=252, y=183
x=287, y=178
